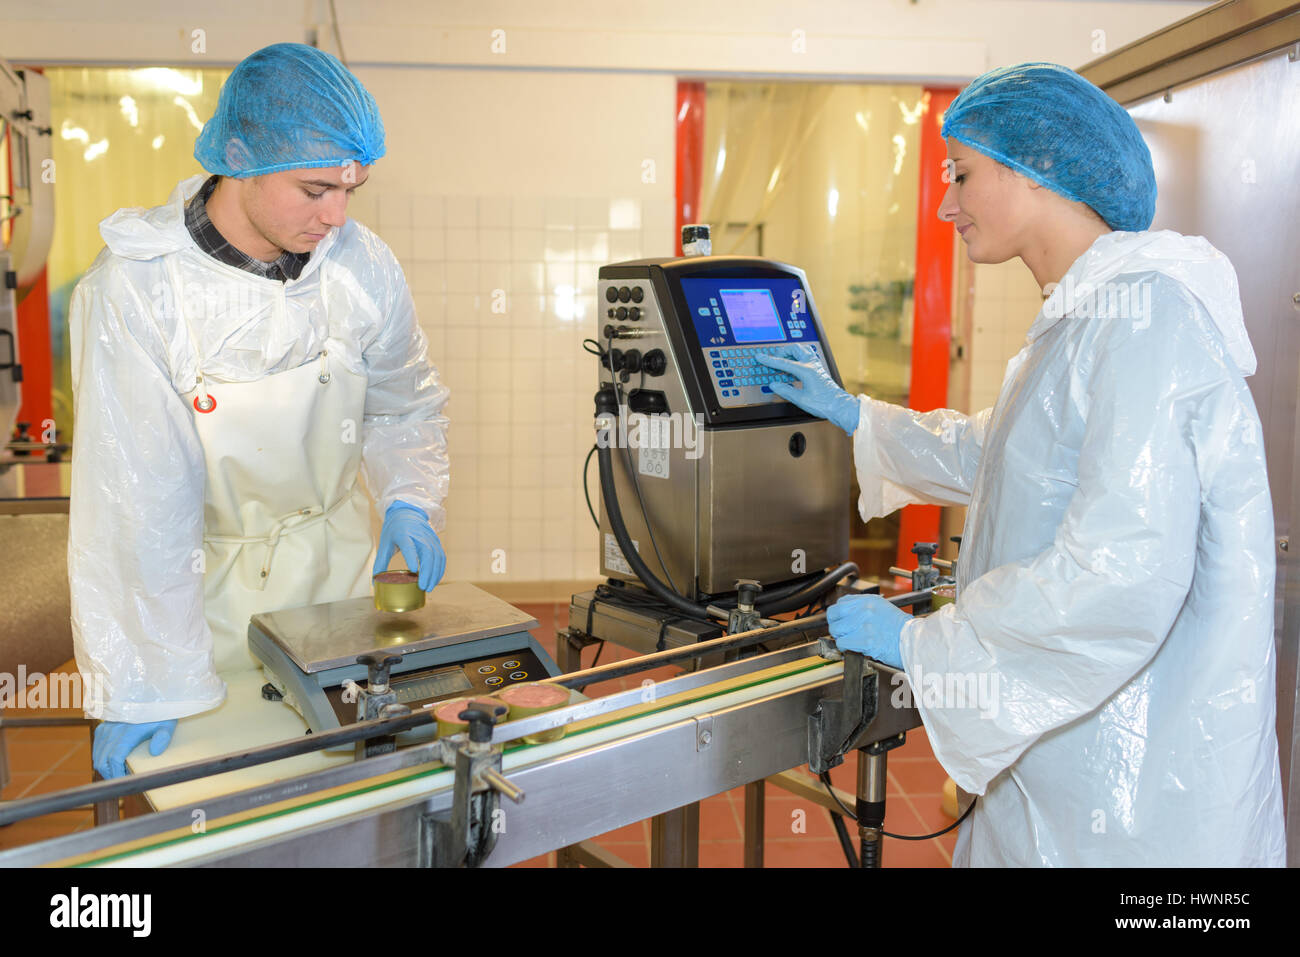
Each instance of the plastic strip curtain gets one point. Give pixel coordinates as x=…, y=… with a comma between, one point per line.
x=826, y=176
x=121, y=138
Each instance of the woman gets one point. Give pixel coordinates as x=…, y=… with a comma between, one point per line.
x=1116, y=575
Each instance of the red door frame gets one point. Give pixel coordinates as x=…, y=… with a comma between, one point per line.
x=932, y=300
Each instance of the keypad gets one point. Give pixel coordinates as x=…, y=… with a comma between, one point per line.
x=741, y=378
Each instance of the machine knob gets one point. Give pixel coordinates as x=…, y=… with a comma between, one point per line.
x=632, y=360
x=637, y=294
x=378, y=667
x=624, y=294
x=613, y=360
x=622, y=313
x=634, y=313
x=611, y=293
x=924, y=551
x=481, y=721
x=655, y=362
x=747, y=590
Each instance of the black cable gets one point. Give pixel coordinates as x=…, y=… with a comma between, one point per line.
x=842, y=832
x=598, y=651
x=632, y=474
x=826, y=781
x=586, y=468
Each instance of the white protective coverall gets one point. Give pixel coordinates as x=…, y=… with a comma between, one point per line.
x=183, y=522
x=1105, y=678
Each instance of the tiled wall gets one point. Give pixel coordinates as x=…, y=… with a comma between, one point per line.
x=504, y=287
x=1006, y=301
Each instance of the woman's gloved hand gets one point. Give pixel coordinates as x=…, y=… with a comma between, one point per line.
x=819, y=395
x=115, y=740
x=870, y=625
x=406, y=527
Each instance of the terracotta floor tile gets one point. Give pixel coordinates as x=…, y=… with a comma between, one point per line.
x=49, y=782
x=29, y=751
x=786, y=814
x=722, y=854
x=913, y=854
x=917, y=746
x=47, y=735
x=637, y=831
x=930, y=809
x=545, y=860
x=810, y=852
x=918, y=777
x=718, y=820
x=19, y=783
x=44, y=827
x=637, y=854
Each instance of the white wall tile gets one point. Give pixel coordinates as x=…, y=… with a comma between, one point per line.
x=494, y=212
x=428, y=242
x=528, y=212
x=461, y=212
x=495, y=245
x=462, y=277
x=394, y=208
x=426, y=212
x=462, y=309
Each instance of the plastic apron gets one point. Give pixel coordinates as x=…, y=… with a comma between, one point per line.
x=285, y=521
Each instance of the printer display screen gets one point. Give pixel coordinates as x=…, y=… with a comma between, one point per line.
x=733, y=312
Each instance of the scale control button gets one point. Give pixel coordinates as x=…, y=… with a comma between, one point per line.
x=518, y=675
x=624, y=294
x=637, y=294
x=611, y=293
x=486, y=669
x=494, y=681
x=510, y=664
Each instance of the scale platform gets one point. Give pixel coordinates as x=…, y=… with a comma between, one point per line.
x=462, y=642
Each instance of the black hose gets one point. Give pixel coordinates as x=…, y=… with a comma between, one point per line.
x=817, y=582
x=842, y=833
x=773, y=605
x=786, y=598
x=630, y=554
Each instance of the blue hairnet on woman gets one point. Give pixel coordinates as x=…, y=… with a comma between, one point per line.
x=1115, y=584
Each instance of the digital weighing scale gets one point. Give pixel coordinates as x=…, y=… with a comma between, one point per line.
x=463, y=642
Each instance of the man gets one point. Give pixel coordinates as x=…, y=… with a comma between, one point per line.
x=240, y=355
x=1116, y=574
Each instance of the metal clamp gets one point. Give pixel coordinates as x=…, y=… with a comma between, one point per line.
x=836, y=724
x=466, y=835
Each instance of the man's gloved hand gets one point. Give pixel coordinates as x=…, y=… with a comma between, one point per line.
x=407, y=527
x=870, y=625
x=819, y=395
x=115, y=740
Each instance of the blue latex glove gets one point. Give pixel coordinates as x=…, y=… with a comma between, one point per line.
x=819, y=395
x=870, y=625
x=115, y=740
x=407, y=527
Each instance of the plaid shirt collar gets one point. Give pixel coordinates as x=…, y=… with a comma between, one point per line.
x=208, y=239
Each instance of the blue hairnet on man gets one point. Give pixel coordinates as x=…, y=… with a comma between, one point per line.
x=243, y=356
x=1115, y=582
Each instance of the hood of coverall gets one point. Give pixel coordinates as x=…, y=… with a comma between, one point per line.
x=1190, y=260
x=136, y=233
